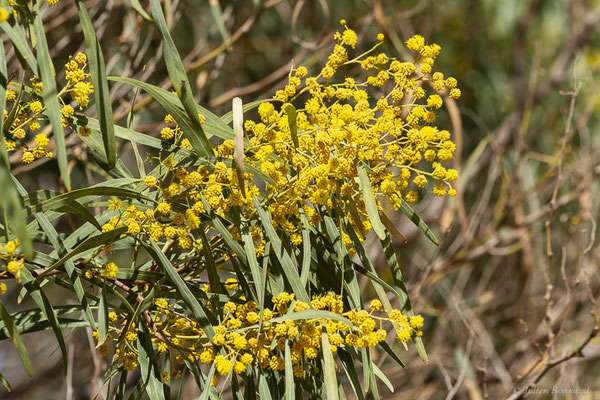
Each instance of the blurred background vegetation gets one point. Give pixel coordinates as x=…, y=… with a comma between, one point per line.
x=508, y=296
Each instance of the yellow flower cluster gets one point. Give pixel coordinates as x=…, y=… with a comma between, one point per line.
x=13, y=262
x=383, y=123
x=28, y=108
x=247, y=335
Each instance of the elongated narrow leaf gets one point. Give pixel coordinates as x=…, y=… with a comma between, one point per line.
x=21, y=46
x=101, y=93
x=11, y=205
x=215, y=10
x=291, y=114
x=3, y=87
x=5, y=383
x=49, y=93
x=391, y=227
x=348, y=365
x=213, y=126
x=102, y=316
x=287, y=263
x=290, y=387
x=37, y=202
x=222, y=229
x=263, y=388
x=211, y=267
x=383, y=378
x=120, y=394
x=40, y=299
x=205, y=395
x=45, y=325
x=181, y=286
x=180, y=82
x=92, y=242
x=148, y=365
x=255, y=269
x=392, y=353
x=61, y=249
x=331, y=384
x=362, y=255
x=392, y=261
x=16, y=338
x=183, y=121
x=25, y=317
x=370, y=204
x=343, y=260
x=135, y=4
x=412, y=215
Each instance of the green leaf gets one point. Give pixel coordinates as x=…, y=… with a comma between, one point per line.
x=392, y=353
x=181, y=286
x=21, y=46
x=207, y=386
x=370, y=204
x=255, y=270
x=291, y=113
x=16, y=338
x=196, y=136
x=148, y=365
x=344, y=262
x=348, y=365
x=287, y=263
x=263, y=388
x=138, y=7
x=102, y=316
x=380, y=286
x=3, y=86
x=215, y=10
x=331, y=384
x=172, y=104
x=101, y=91
x=409, y=212
x=211, y=268
x=92, y=242
x=60, y=248
x=406, y=307
x=49, y=93
x=220, y=227
x=44, y=325
x=37, y=202
x=389, y=225
x=290, y=387
x=40, y=299
x=383, y=378
x=11, y=205
x=5, y=383
x=122, y=387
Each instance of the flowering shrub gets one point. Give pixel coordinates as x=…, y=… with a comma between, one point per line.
x=245, y=255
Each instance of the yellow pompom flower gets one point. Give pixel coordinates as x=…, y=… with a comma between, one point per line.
x=4, y=15
x=110, y=271
x=27, y=157
x=349, y=38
